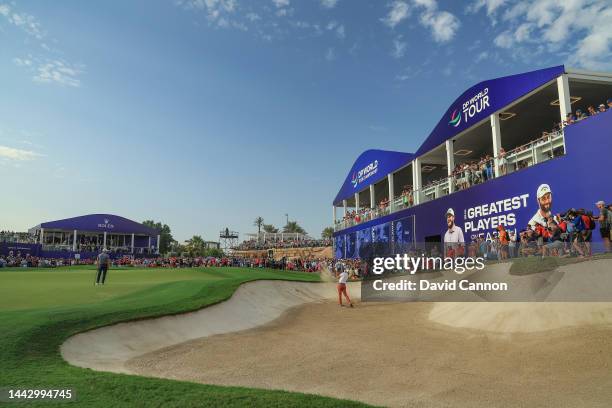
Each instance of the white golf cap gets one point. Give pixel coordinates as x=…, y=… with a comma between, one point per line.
x=542, y=190
x=450, y=211
x=600, y=202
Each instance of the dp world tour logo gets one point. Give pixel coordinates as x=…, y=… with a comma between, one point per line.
x=361, y=175
x=354, y=180
x=455, y=118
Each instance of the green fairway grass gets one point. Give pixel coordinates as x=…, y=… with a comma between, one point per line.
x=41, y=308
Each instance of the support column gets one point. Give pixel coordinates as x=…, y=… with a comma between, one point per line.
x=158, y=242
x=416, y=180
x=74, y=241
x=149, y=246
x=344, y=206
x=372, y=196
x=104, y=242
x=450, y=164
x=132, y=246
x=335, y=216
x=42, y=236
x=496, y=135
x=356, y=201
x=391, y=191
x=565, y=105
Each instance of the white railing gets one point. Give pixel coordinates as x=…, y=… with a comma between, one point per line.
x=527, y=155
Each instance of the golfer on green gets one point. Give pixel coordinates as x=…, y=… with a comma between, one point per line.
x=103, y=263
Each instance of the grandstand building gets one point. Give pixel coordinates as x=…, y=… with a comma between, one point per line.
x=511, y=124
x=85, y=236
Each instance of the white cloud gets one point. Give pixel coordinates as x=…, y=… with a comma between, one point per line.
x=60, y=72
x=523, y=32
x=399, y=47
x=281, y=12
x=340, y=32
x=329, y=3
x=22, y=62
x=51, y=71
x=399, y=12
x=11, y=153
x=482, y=56
x=338, y=28
x=548, y=25
x=443, y=25
x=491, y=7
x=281, y=3
x=217, y=11
x=504, y=40
x=330, y=55
x=412, y=72
x=253, y=17
x=24, y=21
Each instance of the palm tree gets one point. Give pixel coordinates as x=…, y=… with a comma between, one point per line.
x=195, y=246
x=259, y=221
x=293, y=226
x=327, y=233
x=270, y=229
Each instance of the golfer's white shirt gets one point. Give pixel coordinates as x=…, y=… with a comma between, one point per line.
x=454, y=235
x=343, y=277
x=538, y=219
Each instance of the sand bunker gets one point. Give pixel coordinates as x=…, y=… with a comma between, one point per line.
x=291, y=336
x=392, y=355
x=252, y=305
x=571, y=282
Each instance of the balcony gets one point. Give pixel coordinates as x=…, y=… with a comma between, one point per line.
x=547, y=147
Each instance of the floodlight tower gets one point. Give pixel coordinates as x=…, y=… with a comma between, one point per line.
x=228, y=240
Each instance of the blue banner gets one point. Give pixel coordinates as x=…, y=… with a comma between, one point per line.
x=525, y=196
x=339, y=246
x=475, y=104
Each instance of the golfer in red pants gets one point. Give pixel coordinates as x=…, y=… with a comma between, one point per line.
x=342, y=278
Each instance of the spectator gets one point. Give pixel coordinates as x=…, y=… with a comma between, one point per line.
x=591, y=110
x=605, y=224
x=503, y=164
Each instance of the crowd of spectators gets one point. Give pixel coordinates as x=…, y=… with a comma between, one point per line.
x=25, y=260
x=565, y=234
x=356, y=268
x=310, y=264
x=478, y=171
x=84, y=244
x=473, y=172
x=253, y=244
x=17, y=237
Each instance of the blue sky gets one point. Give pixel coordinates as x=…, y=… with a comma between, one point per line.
x=207, y=113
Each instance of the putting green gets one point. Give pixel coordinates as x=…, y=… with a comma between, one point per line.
x=42, y=288
x=40, y=309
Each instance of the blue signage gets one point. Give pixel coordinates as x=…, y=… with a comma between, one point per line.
x=474, y=105
x=526, y=196
x=369, y=168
